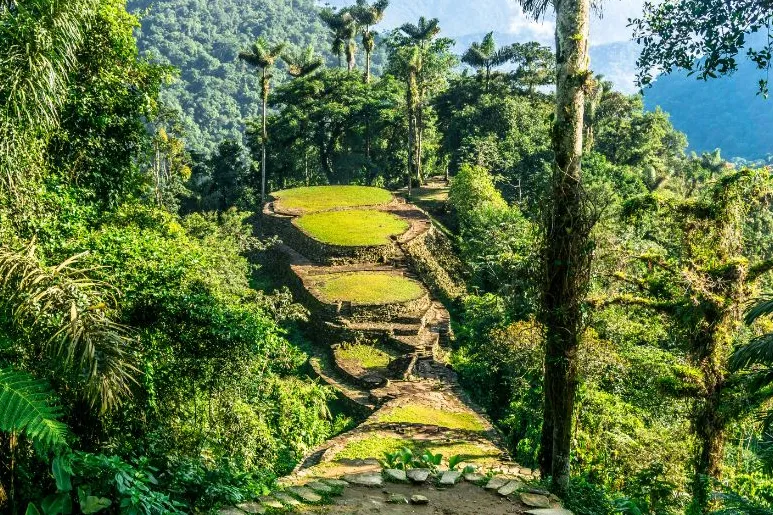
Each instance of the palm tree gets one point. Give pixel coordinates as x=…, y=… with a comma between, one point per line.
x=419, y=37
x=343, y=28
x=302, y=62
x=485, y=56
x=566, y=258
x=367, y=16
x=71, y=311
x=263, y=56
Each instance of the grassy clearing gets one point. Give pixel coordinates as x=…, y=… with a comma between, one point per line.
x=367, y=356
x=352, y=228
x=374, y=446
x=420, y=414
x=320, y=198
x=370, y=288
x=472, y=454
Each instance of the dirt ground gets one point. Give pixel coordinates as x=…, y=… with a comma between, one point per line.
x=462, y=499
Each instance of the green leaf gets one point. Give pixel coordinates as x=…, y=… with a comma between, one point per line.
x=62, y=474
x=32, y=510
x=57, y=504
x=94, y=504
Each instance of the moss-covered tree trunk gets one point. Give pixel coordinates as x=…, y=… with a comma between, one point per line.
x=566, y=253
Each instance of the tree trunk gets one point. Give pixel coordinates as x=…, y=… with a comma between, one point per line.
x=263, y=147
x=566, y=254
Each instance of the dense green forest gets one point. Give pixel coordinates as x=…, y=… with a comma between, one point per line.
x=614, y=321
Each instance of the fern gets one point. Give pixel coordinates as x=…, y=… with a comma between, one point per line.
x=25, y=407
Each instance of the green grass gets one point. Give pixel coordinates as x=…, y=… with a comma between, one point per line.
x=370, y=288
x=352, y=228
x=420, y=414
x=367, y=356
x=374, y=446
x=321, y=198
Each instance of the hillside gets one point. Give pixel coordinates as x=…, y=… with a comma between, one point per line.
x=216, y=92
x=726, y=113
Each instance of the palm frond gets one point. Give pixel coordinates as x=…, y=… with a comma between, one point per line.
x=762, y=307
x=25, y=407
x=757, y=352
x=72, y=310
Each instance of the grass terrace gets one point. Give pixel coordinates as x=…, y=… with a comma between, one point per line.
x=321, y=198
x=367, y=356
x=420, y=414
x=352, y=228
x=369, y=288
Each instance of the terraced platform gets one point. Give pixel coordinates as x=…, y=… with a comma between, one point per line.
x=382, y=334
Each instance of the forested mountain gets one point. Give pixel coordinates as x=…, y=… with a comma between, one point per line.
x=216, y=92
x=728, y=114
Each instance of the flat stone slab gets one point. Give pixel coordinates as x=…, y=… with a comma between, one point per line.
x=271, y=502
x=306, y=495
x=397, y=499
x=320, y=488
x=450, y=477
x=395, y=475
x=495, y=483
x=419, y=499
x=234, y=511
x=285, y=499
x=510, y=488
x=550, y=511
x=535, y=500
x=472, y=477
x=418, y=475
x=365, y=479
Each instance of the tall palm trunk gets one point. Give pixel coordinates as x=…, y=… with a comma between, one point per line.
x=264, y=139
x=566, y=258
x=366, y=44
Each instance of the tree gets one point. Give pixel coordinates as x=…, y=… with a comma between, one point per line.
x=367, y=15
x=697, y=269
x=703, y=37
x=302, y=62
x=485, y=56
x=263, y=57
x=535, y=64
x=567, y=226
x=343, y=29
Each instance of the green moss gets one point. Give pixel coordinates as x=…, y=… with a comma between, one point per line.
x=367, y=356
x=370, y=288
x=420, y=414
x=320, y=198
x=374, y=446
x=352, y=228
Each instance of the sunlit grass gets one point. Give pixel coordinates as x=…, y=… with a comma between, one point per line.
x=366, y=356
x=370, y=288
x=320, y=198
x=420, y=414
x=352, y=228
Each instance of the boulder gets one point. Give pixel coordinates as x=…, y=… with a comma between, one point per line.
x=395, y=475
x=397, y=499
x=495, y=483
x=320, y=488
x=450, y=477
x=285, y=499
x=305, y=494
x=510, y=488
x=251, y=507
x=373, y=479
x=419, y=499
x=271, y=502
x=474, y=477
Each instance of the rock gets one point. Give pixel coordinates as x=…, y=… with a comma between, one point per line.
x=395, y=475
x=252, y=507
x=231, y=511
x=474, y=477
x=418, y=475
x=336, y=483
x=419, y=499
x=535, y=500
x=397, y=499
x=271, y=502
x=495, y=483
x=305, y=494
x=365, y=479
x=450, y=477
x=526, y=472
x=286, y=499
x=510, y=488
x=550, y=511
x=320, y=488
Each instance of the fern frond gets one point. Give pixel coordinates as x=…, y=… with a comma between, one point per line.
x=25, y=407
